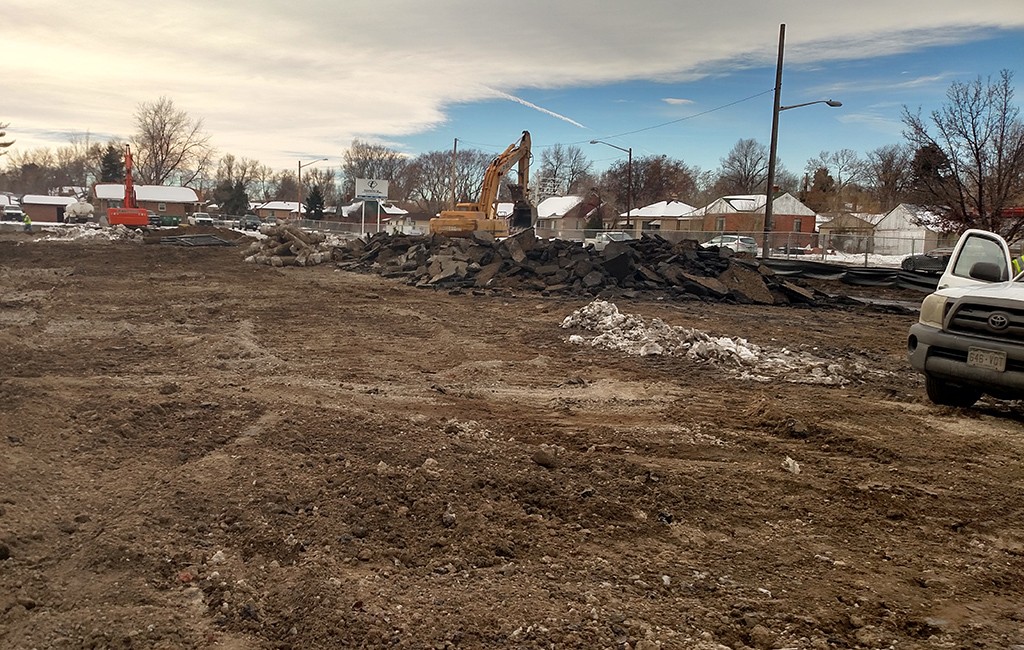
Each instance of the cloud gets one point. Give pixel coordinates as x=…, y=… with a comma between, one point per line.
x=675, y=101
x=270, y=79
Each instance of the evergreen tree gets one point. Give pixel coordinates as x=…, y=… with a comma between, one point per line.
x=238, y=201
x=112, y=165
x=315, y=204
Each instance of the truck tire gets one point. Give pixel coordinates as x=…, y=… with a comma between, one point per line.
x=946, y=394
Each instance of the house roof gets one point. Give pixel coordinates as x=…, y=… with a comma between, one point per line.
x=161, y=193
x=43, y=199
x=784, y=203
x=664, y=210
x=385, y=208
x=557, y=206
x=284, y=206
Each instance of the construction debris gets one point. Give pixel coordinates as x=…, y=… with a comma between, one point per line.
x=525, y=262
x=287, y=245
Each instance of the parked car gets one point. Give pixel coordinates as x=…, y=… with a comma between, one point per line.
x=602, y=239
x=967, y=341
x=735, y=243
x=934, y=261
x=249, y=222
x=154, y=219
x=200, y=219
x=12, y=213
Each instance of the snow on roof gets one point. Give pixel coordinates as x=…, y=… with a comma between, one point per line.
x=283, y=206
x=43, y=199
x=557, y=206
x=161, y=193
x=664, y=209
x=385, y=208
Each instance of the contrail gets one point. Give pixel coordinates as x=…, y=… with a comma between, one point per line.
x=538, y=108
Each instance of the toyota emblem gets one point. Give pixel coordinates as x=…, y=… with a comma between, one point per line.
x=999, y=321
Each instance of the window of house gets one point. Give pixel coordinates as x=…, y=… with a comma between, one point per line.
x=161, y=207
x=796, y=225
x=720, y=224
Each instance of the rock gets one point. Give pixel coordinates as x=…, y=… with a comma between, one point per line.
x=545, y=458
x=5, y=551
x=762, y=638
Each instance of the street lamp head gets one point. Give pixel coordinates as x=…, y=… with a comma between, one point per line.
x=595, y=142
x=833, y=103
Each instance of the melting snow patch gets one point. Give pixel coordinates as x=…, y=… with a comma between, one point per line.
x=90, y=231
x=633, y=335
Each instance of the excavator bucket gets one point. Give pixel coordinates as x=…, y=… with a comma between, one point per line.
x=524, y=216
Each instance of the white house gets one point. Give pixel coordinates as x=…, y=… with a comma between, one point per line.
x=663, y=215
x=908, y=230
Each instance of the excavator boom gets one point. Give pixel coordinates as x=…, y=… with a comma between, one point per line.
x=130, y=214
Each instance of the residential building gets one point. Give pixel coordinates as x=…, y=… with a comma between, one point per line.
x=910, y=229
x=45, y=208
x=566, y=217
x=849, y=232
x=164, y=200
x=792, y=221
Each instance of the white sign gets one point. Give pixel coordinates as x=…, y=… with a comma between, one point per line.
x=371, y=188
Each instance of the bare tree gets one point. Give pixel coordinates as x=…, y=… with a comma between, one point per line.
x=170, y=145
x=888, y=175
x=844, y=166
x=745, y=169
x=264, y=184
x=563, y=169
x=655, y=178
x=433, y=190
x=366, y=160
x=323, y=178
x=976, y=153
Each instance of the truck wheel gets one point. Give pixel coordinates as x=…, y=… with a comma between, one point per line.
x=946, y=394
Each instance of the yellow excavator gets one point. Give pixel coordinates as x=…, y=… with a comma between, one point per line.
x=468, y=218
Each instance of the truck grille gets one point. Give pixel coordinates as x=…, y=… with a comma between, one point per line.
x=996, y=322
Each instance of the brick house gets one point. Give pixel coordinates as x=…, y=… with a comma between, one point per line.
x=162, y=199
x=792, y=221
x=44, y=208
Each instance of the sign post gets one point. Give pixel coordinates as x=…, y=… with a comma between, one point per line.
x=371, y=189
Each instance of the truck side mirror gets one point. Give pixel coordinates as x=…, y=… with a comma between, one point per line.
x=987, y=271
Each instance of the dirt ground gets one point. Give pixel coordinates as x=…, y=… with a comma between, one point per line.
x=202, y=453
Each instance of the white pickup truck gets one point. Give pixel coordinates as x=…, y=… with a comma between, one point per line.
x=969, y=339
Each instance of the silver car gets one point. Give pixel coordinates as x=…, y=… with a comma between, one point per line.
x=735, y=243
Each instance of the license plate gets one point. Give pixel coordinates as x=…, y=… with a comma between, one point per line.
x=988, y=359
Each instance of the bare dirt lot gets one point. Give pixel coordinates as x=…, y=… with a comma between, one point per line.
x=202, y=453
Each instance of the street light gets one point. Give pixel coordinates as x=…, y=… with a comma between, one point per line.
x=776, y=109
x=298, y=204
x=629, y=178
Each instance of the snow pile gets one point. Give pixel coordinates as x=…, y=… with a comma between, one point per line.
x=91, y=231
x=632, y=335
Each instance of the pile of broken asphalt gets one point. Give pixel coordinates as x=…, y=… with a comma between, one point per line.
x=650, y=266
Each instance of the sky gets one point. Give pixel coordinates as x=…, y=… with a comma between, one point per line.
x=290, y=82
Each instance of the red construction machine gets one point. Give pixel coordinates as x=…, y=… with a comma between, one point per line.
x=130, y=214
